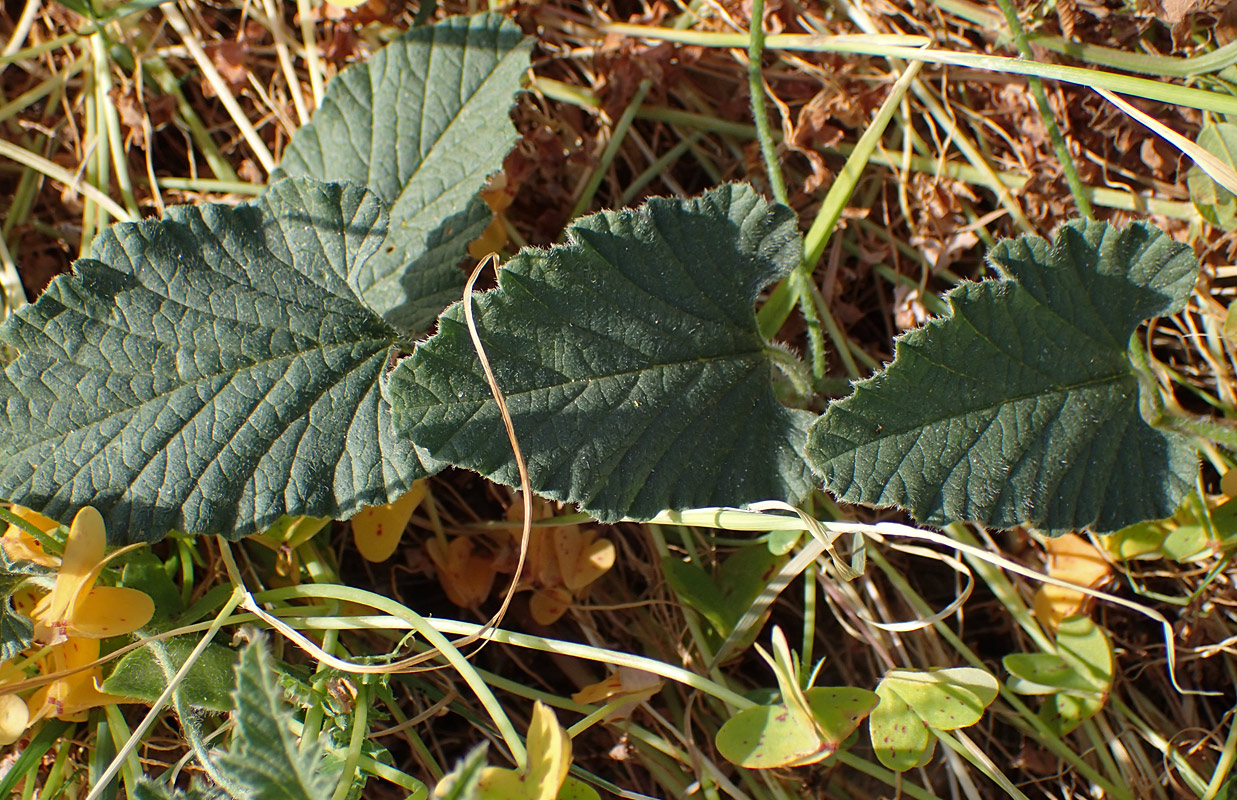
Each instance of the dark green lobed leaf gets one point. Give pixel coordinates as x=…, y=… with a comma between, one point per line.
x=421, y=124
x=630, y=360
x=1022, y=405
x=210, y=372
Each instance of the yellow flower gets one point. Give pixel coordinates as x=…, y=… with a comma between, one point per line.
x=75, y=606
x=19, y=545
x=70, y=697
x=378, y=529
x=14, y=716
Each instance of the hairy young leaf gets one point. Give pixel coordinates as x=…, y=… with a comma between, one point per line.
x=1022, y=405
x=630, y=360
x=265, y=757
x=210, y=372
x=207, y=685
x=421, y=124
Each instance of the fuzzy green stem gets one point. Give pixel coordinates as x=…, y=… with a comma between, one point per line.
x=756, y=87
x=1045, y=111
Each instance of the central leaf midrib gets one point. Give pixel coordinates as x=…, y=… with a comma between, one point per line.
x=162, y=396
x=737, y=357
x=920, y=425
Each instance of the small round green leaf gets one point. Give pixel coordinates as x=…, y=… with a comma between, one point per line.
x=900, y=738
x=767, y=737
x=913, y=703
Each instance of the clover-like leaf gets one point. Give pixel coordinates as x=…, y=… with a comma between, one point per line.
x=1022, y=405
x=1075, y=679
x=913, y=703
x=630, y=361
x=210, y=372
x=805, y=727
x=421, y=124
x=778, y=735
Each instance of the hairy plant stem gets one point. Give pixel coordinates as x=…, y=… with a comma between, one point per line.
x=1045, y=111
x=760, y=114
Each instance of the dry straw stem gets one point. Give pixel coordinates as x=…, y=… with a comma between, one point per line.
x=1219, y=172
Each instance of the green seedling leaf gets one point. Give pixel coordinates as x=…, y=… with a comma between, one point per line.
x=210, y=372
x=265, y=757
x=206, y=687
x=1215, y=203
x=148, y=573
x=804, y=728
x=1022, y=405
x=421, y=124
x=630, y=361
x=914, y=703
x=1075, y=679
x=147, y=789
x=725, y=597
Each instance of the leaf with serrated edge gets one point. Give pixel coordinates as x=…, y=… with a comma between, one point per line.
x=1022, y=405
x=210, y=372
x=421, y=124
x=630, y=360
x=265, y=757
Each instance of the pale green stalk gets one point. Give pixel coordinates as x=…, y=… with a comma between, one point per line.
x=10, y=281
x=360, y=729
x=612, y=147
x=1144, y=63
x=1046, y=114
x=113, y=139
x=866, y=45
x=309, y=40
x=29, y=13
x=432, y=628
x=54, y=83
x=280, y=34
x=843, y=186
x=224, y=93
x=62, y=175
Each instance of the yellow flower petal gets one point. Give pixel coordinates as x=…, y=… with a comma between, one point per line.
x=110, y=611
x=377, y=529
x=1074, y=559
x=83, y=557
x=466, y=578
x=549, y=759
x=21, y=546
x=14, y=718
x=590, y=563
x=548, y=605
x=70, y=697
